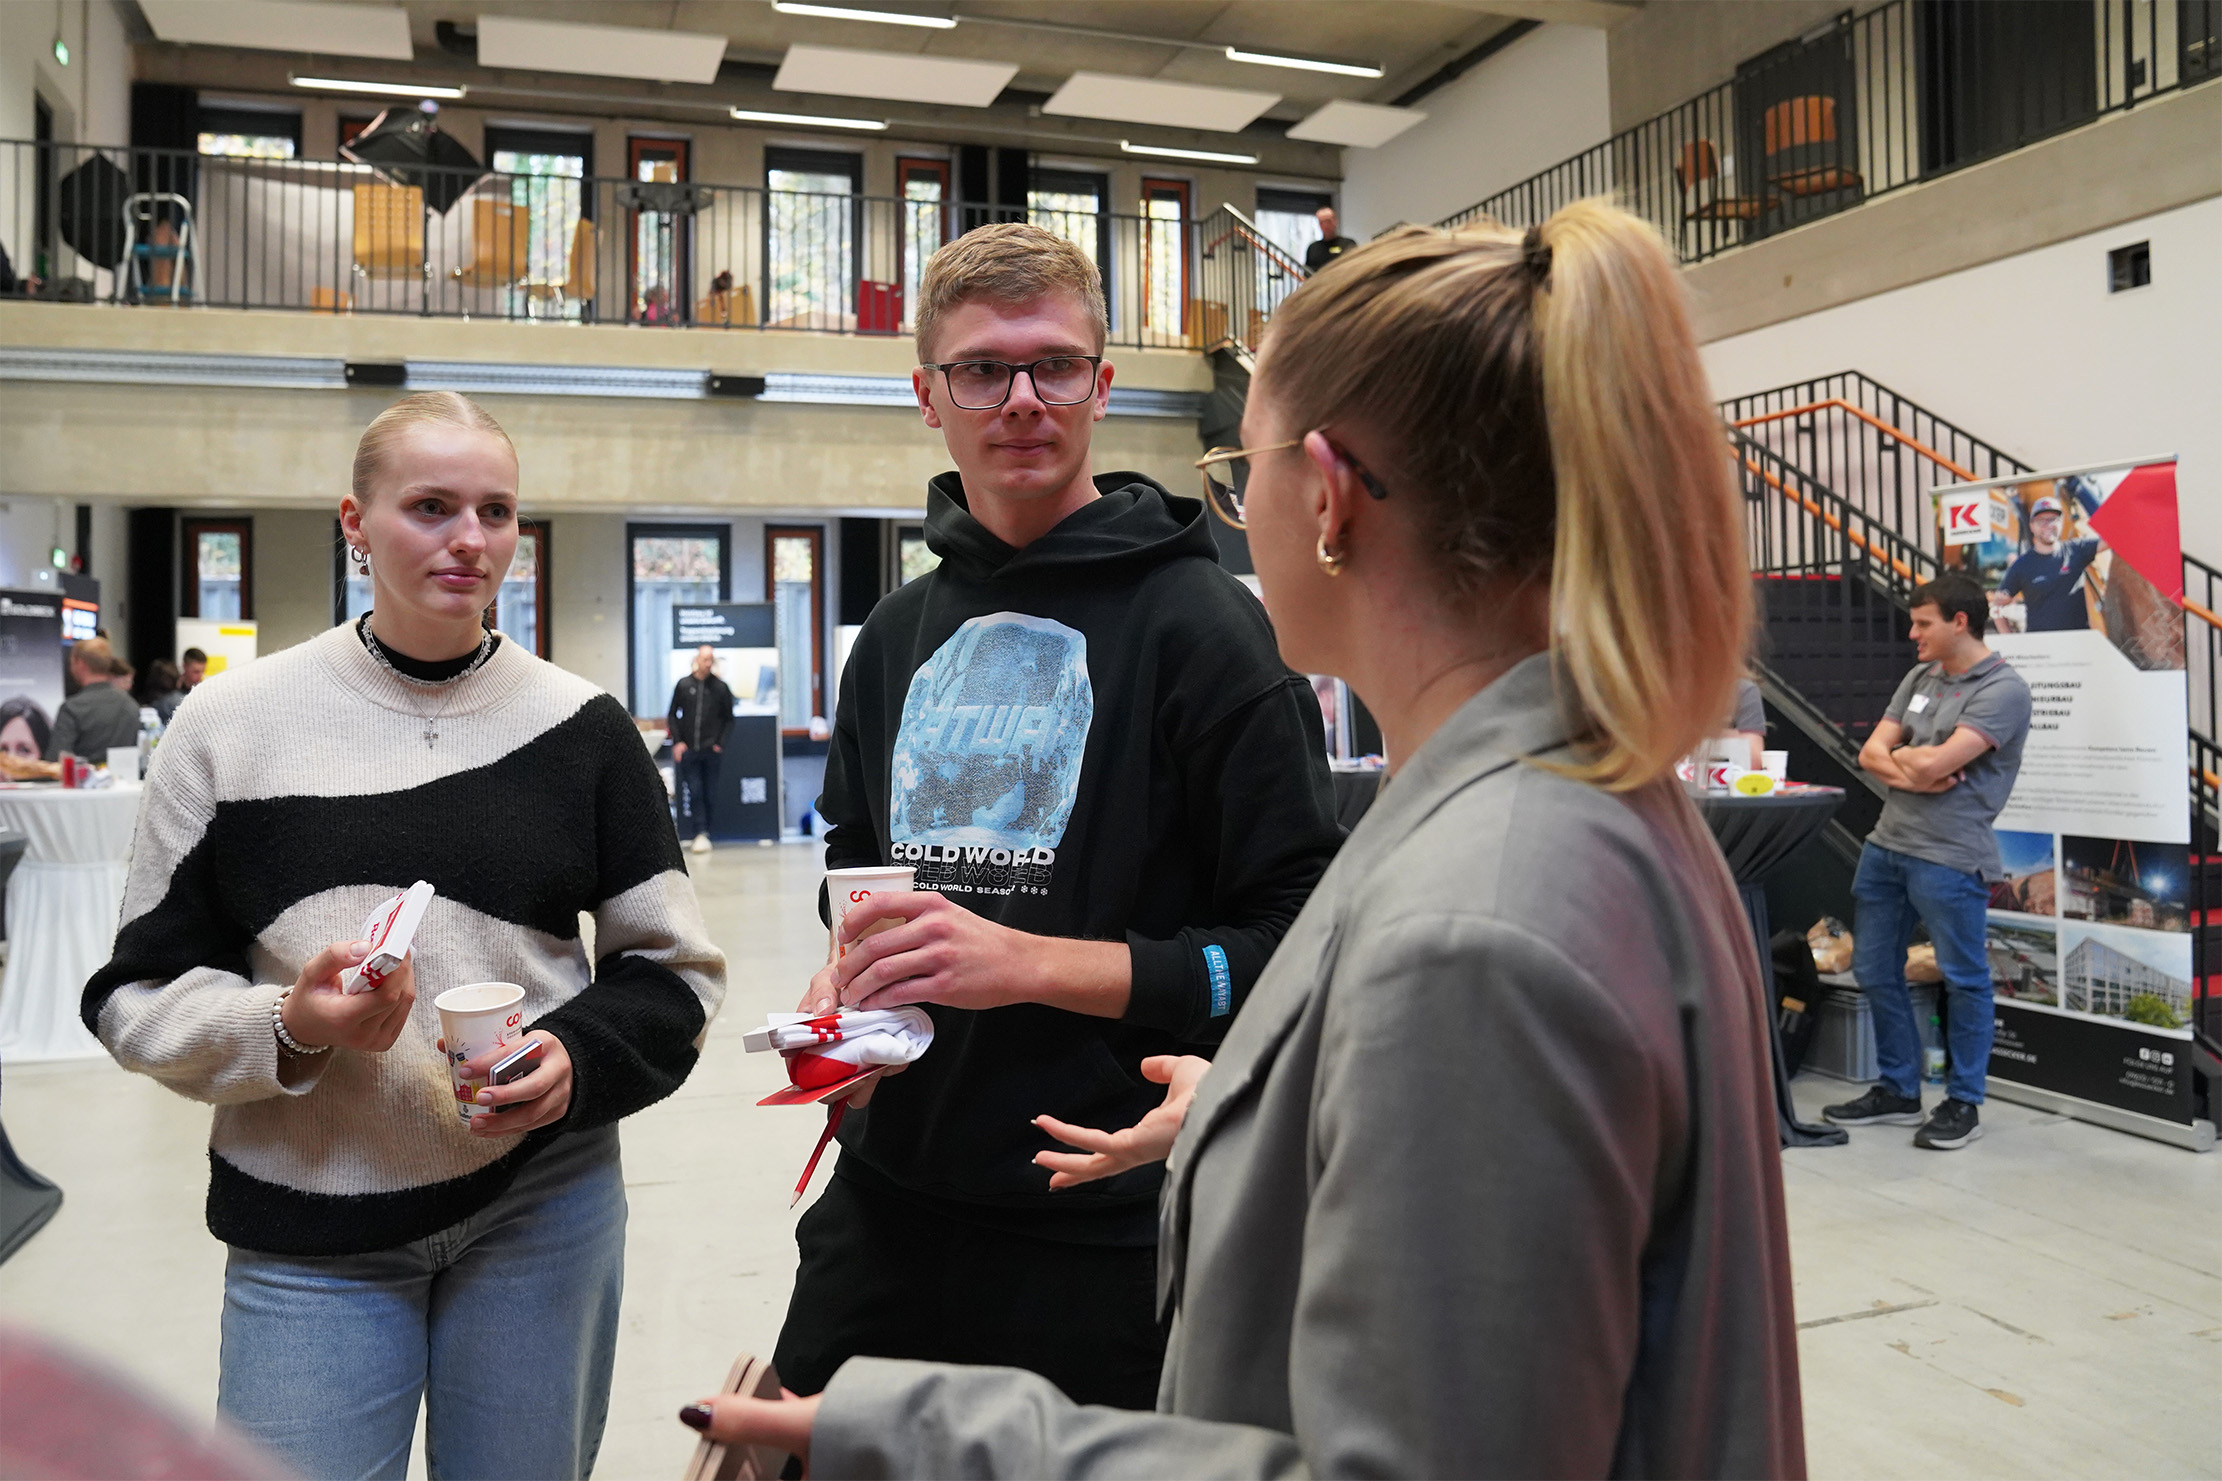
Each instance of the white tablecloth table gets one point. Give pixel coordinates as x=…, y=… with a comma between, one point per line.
x=63, y=902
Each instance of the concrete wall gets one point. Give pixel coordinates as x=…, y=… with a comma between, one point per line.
x=1671, y=50
x=2032, y=353
x=1531, y=105
x=91, y=97
x=587, y=595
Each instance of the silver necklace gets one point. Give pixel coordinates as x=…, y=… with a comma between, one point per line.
x=447, y=687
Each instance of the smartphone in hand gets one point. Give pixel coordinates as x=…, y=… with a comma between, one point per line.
x=517, y=1065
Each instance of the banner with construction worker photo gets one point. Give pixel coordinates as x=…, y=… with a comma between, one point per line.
x=2090, y=938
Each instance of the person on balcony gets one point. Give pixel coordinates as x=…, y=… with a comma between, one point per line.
x=1116, y=799
x=2048, y=577
x=1485, y=1180
x=1949, y=748
x=1331, y=244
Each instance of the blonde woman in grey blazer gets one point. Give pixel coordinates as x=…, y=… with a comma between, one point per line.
x=1484, y=1181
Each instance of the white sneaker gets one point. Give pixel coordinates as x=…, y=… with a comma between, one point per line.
x=701, y=843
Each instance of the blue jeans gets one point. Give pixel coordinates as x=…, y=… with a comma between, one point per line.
x=505, y=1325
x=1892, y=889
x=696, y=774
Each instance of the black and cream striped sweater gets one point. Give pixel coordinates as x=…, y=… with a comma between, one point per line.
x=292, y=795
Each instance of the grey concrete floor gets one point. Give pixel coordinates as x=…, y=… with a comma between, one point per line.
x=2045, y=1303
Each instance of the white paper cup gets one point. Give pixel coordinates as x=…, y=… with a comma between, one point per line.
x=474, y=1019
x=123, y=763
x=1776, y=764
x=846, y=888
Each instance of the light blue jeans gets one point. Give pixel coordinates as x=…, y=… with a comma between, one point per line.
x=1892, y=890
x=505, y=1325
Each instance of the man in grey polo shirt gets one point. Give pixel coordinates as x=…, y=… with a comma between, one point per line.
x=1949, y=748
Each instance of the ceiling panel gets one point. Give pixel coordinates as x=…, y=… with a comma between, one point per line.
x=1355, y=125
x=1144, y=100
x=904, y=76
x=284, y=25
x=599, y=51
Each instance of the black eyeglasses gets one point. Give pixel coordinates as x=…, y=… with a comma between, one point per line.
x=984, y=385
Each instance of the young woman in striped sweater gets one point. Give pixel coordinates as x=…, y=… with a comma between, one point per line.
x=382, y=1250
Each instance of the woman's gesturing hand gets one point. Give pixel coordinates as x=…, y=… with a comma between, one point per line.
x=317, y=1013
x=1147, y=1140
x=783, y=1423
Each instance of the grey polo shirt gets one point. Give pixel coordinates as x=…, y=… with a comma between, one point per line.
x=1953, y=828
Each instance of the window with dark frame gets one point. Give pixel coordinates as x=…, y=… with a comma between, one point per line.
x=250, y=133
x=667, y=565
x=2129, y=267
x=929, y=220
x=813, y=229
x=658, y=248
x=1167, y=206
x=218, y=580
x=794, y=583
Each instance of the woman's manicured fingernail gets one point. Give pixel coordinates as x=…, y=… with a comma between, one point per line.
x=357, y=950
x=486, y=1097
x=695, y=1416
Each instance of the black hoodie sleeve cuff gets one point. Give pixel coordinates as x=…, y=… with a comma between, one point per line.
x=1172, y=984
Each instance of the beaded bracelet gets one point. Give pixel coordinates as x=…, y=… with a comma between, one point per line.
x=277, y=1021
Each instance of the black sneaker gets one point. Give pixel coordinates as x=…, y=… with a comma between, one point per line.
x=1880, y=1106
x=1954, y=1124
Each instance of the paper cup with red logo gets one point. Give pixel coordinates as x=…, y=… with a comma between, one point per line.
x=473, y=1019
x=848, y=888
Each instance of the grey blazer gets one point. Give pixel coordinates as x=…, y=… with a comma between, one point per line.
x=1484, y=1181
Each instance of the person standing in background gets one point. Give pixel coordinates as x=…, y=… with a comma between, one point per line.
x=99, y=715
x=1949, y=748
x=1331, y=244
x=700, y=715
x=192, y=667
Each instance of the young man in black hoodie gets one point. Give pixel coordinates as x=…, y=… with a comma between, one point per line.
x=1080, y=734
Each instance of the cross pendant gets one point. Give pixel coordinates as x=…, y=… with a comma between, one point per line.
x=430, y=735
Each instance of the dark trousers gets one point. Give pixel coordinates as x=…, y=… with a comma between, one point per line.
x=697, y=775
x=883, y=1277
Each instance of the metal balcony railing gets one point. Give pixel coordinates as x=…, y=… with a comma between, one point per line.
x=146, y=226
x=1906, y=92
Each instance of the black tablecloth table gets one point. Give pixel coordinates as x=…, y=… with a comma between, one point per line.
x=1756, y=834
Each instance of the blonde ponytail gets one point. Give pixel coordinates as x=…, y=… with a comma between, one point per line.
x=1650, y=587
x=1545, y=409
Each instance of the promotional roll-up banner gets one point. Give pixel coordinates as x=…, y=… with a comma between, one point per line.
x=30, y=670
x=2090, y=932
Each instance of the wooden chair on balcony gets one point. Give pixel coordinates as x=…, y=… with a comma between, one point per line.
x=501, y=246
x=1803, y=154
x=389, y=231
x=728, y=308
x=1698, y=173
x=578, y=284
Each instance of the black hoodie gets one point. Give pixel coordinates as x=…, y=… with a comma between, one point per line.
x=1093, y=736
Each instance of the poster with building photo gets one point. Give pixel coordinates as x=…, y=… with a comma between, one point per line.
x=2089, y=938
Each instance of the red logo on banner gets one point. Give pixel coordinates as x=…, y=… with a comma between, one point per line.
x=2138, y=521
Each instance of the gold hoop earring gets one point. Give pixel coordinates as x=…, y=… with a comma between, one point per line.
x=1330, y=562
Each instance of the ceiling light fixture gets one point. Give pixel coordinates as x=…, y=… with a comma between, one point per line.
x=1211, y=156
x=806, y=120
x=394, y=89
x=1302, y=64
x=853, y=13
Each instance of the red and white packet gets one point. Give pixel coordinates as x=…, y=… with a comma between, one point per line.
x=830, y=1056
x=390, y=929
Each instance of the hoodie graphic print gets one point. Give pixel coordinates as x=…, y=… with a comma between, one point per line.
x=987, y=762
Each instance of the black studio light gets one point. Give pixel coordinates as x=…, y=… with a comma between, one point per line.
x=406, y=147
